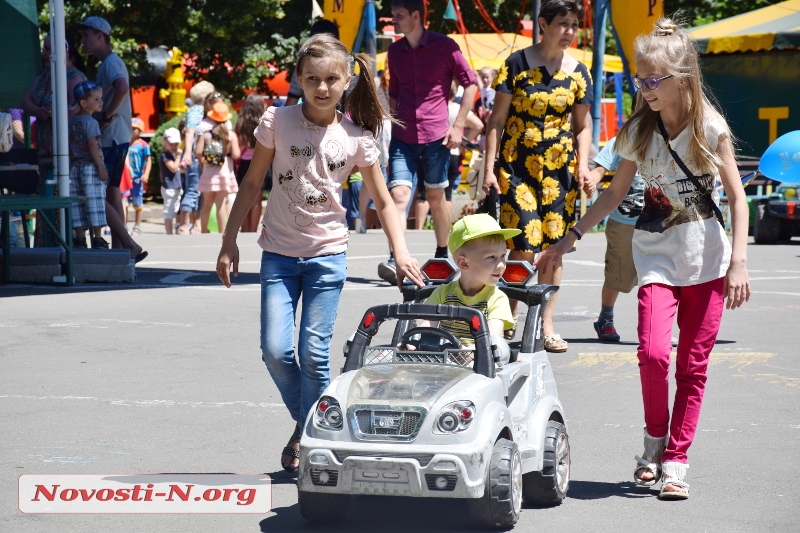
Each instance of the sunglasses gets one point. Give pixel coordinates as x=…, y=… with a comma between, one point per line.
x=650, y=83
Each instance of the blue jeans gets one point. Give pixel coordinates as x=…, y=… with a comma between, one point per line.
x=404, y=159
x=191, y=196
x=319, y=280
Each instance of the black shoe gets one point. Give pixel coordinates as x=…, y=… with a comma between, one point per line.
x=79, y=242
x=388, y=272
x=99, y=242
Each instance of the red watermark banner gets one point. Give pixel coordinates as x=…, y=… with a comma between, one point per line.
x=145, y=493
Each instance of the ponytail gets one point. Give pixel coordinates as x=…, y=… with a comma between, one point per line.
x=362, y=104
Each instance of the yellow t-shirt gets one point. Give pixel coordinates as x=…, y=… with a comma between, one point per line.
x=491, y=301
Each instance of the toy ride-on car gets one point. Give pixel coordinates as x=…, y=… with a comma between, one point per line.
x=436, y=419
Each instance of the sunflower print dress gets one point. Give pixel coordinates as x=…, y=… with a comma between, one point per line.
x=537, y=160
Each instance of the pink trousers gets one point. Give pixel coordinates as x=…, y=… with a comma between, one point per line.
x=699, y=309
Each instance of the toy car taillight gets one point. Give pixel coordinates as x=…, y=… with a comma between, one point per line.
x=517, y=273
x=455, y=417
x=439, y=270
x=328, y=414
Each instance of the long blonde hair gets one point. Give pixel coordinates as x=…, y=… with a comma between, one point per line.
x=361, y=104
x=669, y=46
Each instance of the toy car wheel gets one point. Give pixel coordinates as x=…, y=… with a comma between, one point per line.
x=549, y=487
x=766, y=228
x=323, y=508
x=787, y=230
x=502, y=498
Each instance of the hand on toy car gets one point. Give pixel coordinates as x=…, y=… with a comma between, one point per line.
x=408, y=267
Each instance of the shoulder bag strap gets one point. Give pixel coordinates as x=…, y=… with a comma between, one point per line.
x=698, y=185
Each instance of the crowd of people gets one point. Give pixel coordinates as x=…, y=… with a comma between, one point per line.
x=397, y=137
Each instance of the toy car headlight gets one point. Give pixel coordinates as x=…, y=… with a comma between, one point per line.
x=455, y=417
x=328, y=414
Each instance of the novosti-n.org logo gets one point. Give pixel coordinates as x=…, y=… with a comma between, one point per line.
x=145, y=493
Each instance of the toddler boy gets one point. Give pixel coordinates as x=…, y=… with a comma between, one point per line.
x=170, y=175
x=478, y=245
x=87, y=172
x=139, y=163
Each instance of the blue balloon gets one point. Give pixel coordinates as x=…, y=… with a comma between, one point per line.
x=781, y=161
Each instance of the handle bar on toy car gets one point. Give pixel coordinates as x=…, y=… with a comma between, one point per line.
x=484, y=360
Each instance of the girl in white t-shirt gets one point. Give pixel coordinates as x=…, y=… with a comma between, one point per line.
x=312, y=149
x=683, y=258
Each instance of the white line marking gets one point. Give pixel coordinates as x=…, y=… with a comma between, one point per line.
x=778, y=293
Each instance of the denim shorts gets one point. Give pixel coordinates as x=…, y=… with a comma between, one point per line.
x=114, y=159
x=137, y=193
x=404, y=159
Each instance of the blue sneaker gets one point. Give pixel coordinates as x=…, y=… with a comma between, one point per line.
x=606, y=331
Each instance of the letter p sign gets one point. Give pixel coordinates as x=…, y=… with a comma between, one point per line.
x=650, y=5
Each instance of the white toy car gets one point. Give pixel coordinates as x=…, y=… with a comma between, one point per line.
x=440, y=421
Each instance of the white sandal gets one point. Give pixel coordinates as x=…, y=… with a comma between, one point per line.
x=554, y=343
x=674, y=474
x=650, y=460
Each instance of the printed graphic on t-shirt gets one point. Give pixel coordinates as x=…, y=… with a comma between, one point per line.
x=670, y=203
x=633, y=203
x=308, y=194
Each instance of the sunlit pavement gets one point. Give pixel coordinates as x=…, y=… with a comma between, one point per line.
x=165, y=375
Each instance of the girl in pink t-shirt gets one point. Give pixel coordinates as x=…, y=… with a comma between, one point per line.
x=312, y=149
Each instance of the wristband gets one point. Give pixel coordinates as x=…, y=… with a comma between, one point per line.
x=578, y=233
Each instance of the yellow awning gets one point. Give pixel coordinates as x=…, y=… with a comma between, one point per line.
x=775, y=26
x=491, y=50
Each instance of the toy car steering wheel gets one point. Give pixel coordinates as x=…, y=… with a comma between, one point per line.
x=430, y=340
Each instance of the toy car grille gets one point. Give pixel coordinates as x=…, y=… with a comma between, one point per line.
x=430, y=479
x=333, y=477
x=422, y=458
x=383, y=354
x=396, y=423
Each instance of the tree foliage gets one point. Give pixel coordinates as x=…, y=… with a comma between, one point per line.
x=699, y=12
x=234, y=44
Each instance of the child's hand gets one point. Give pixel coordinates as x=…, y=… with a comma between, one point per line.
x=737, y=286
x=408, y=267
x=228, y=260
x=103, y=174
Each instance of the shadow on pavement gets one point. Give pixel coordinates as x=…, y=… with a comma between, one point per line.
x=156, y=278
x=385, y=514
x=597, y=490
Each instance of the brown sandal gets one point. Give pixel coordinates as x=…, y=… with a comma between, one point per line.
x=292, y=452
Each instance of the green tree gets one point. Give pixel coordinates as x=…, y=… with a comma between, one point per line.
x=699, y=12
x=235, y=44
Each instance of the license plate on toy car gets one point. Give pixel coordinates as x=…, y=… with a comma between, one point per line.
x=387, y=421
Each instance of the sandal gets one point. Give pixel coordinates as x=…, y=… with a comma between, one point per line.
x=195, y=229
x=554, y=343
x=509, y=333
x=136, y=230
x=292, y=452
x=674, y=473
x=183, y=229
x=650, y=460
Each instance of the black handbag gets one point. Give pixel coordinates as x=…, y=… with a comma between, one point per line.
x=695, y=180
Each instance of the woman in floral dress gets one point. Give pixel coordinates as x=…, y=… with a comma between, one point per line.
x=541, y=105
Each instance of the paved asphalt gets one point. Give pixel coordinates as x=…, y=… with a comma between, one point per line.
x=165, y=376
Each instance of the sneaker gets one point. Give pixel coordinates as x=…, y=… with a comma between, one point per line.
x=99, y=242
x=388, y=272
x=674, y=342
x=606, y=331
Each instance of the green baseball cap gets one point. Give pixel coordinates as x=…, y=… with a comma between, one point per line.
x=473, y=226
